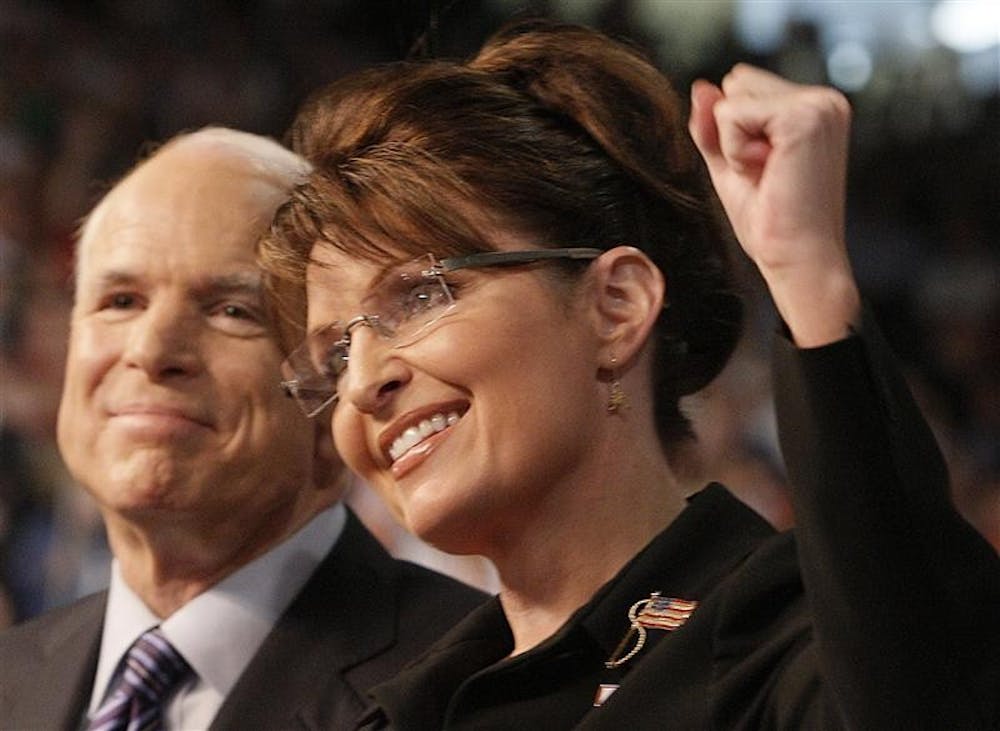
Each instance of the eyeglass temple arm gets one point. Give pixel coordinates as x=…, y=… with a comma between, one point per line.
x=490, y=258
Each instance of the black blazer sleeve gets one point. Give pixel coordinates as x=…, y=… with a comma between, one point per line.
x=905, y=595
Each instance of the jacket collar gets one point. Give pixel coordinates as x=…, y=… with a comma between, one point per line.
x=707, y=541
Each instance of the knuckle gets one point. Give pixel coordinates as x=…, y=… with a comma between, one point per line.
x=823, y=107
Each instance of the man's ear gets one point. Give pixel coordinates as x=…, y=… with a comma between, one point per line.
x=629, y=295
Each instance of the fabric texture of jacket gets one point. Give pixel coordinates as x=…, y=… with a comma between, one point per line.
x=881, y=610
x=359, y=618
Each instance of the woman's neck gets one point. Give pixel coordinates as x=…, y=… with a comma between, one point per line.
x=580, y=539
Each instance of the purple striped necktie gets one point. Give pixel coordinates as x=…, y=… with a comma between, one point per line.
x=152, y=671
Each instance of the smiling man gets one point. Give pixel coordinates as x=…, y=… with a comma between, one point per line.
x=222, y=503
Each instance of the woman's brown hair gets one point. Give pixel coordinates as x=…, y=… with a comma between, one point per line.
x=554, y=131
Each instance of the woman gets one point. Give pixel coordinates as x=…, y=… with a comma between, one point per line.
x=515, y=270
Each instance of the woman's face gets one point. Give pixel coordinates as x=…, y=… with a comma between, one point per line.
x=478, y=426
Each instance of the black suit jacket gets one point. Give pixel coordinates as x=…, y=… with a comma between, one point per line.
x=358, y=620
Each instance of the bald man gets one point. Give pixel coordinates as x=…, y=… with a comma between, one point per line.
x=220, y=500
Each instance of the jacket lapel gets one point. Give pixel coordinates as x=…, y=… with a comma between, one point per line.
x=57, y=676
x=343, y=616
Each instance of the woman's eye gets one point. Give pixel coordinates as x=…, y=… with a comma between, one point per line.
x=422, y=297
x=334, y=363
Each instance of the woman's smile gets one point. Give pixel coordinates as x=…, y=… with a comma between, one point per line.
x=416, y=434
x=417, y=441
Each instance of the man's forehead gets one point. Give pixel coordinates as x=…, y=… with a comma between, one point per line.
x=134, y=256
x=187, y=220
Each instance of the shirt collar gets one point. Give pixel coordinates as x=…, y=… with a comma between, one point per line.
x=219, y=631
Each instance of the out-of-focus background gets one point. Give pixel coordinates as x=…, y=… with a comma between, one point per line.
x=86, y=87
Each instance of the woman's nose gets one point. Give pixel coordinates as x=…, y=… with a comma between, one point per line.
x=374, y=371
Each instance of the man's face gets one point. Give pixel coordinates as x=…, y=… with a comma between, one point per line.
x=171, y=403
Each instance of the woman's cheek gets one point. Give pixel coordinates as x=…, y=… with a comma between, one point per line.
x=349, y=439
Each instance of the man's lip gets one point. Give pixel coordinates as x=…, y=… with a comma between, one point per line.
x=154, y=410
x=413, y=418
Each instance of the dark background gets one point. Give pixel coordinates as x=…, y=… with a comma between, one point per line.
x=86, y=87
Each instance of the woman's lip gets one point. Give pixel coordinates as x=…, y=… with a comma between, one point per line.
x=413, y=418
x=417, y=455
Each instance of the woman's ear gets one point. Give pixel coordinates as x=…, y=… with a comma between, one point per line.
x=630, y=292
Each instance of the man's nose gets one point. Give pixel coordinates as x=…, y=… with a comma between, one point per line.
x=165, y=341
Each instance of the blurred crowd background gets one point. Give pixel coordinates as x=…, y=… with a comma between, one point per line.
x=86, y=87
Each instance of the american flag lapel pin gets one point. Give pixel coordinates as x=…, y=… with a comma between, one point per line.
x=654, y=612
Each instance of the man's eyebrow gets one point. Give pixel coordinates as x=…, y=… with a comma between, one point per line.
x=115, y=277
x=235, y=283
x=249, y=283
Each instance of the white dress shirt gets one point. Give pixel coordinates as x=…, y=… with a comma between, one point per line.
x=219, y=631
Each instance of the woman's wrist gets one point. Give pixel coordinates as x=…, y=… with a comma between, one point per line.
x=819, y=306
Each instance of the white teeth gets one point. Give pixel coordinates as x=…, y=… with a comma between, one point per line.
x=416, y=434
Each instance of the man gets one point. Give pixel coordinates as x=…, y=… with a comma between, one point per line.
x=221, y=502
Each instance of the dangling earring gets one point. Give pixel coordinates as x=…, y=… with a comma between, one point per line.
x=617, y=400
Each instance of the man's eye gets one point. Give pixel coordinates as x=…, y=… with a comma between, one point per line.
x=117, y=301
x=238, y=319
x=237, y=312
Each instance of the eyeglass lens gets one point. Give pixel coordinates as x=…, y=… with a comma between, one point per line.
x=404, y=303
